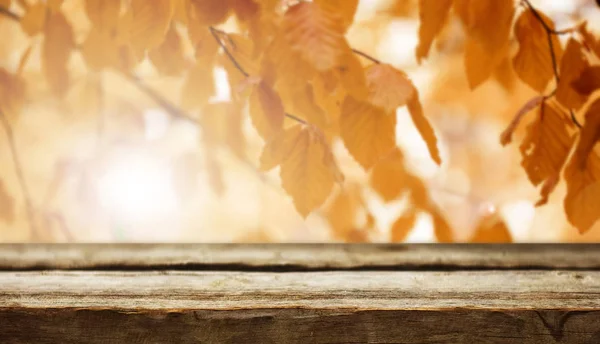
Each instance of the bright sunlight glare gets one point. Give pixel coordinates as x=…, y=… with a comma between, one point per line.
x=137, y=187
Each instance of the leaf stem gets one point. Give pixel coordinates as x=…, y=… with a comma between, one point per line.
x=367, y=56
x=9, y=14
x=20, y=175
x=237, y=65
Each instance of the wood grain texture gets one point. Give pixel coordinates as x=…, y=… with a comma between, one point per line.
x=300, y=307
x=298, y=256
x=446, y=294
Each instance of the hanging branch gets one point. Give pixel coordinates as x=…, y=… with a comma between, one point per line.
x=365, y=55
x=550, y=32
x=20, y=175
x=215, y=33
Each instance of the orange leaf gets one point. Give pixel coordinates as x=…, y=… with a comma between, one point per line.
x=168, y=57
x=546, y=145
x=571, y=67
x=266, y=110
x=344, y=213
x=198, y=86
x=208, y=12
x=424, y=127
x=389, y=88
x=533, y=62
x=588, y=81
x=146, y=23
x=583, y=188
x=389, y=177
x=308, y=168
x=56, y=51
x=433, y=15
x=104, y=14
x=368, y=132
x=33, y=20
x=7, y=204
x=506, y=136
x=590, y=133
x=316, y=34
x=491, y=229
x=403, y=225
x=345, y=9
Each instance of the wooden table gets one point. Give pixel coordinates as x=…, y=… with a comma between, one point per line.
x=300, y=294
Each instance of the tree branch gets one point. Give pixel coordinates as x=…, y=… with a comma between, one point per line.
x=9, y=14
x=367, y=56
x=237, y=65
x=20, y=176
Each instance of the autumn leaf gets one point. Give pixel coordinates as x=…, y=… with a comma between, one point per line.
x=7, y=205
x=56, y=51
x=432, y=15
x=266, y=110
x=345, y=9
x=308, y=168
x=34, y=19
x=12, y=93
x=573, y=64
x=546, y=145
x=590, y=133
x=168, y=57
x=389, y=88
x=345, y=212
x=423, y=126
x=533, y=62
x=588, y=81
x=198, y=86
x=368, y=132
x=491, y=229
x=389, y=177
x=208, y=12
x=403, y=226
x=146, y=23
x=316, y=34
x=104, y=14
x=583, y=187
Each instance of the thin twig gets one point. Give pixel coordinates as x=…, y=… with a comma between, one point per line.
x=20, y=175
x=365, y=55
x=9, y=14
x=163, y=102
x=237, y=65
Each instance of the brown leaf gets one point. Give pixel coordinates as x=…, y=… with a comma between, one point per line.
x=491, y=229
x=424, y=127
x=533, y=62
x=583, y=187
x=573, y=64
x=432, y=15
x=588, y=81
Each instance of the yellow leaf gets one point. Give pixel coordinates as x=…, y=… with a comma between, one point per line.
x=389, y=177
x=345, y=9
x=432, y=15
x=487, y=22
x=533, y=62
x=583, y=188
x=308, y=168
x=266, y=110
x=169, y=58
x=12, y=94
x=34, y=19
x=571, y=67
x=588, y=81
x=368, y=132
x=198, y=86
x=423, y=126
x=546, y=145
x=56, y=51
x=403, y=225
x=491, y=229
x=316, y=34
x=100, y=50
x=208, y=12
x=104, y=14
x=389, y=88
x=590, y=133
x=146, y=23
x=7, y=204
x=344, y=211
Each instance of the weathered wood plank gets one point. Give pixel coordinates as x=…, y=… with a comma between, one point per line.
x=300, y=307
x=364, y=290
x=298, y=256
